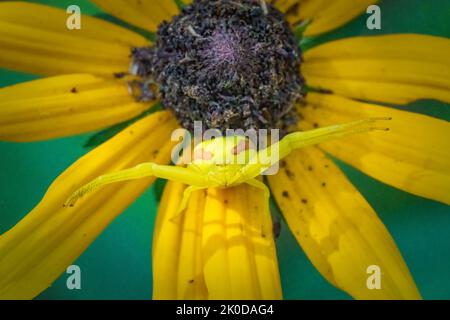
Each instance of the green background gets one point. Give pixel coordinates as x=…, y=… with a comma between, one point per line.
x=118, y=264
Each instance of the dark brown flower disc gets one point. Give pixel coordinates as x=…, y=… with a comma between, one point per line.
x=230, y=64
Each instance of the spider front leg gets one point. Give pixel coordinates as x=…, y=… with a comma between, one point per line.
x=298, y=140
x=144, y=170
x=302, y=139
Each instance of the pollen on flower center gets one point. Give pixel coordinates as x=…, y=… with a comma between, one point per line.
x=230, y=64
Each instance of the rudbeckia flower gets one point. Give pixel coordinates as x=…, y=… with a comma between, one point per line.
x=104, y=74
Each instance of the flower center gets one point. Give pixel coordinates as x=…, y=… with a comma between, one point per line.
x=230, y=64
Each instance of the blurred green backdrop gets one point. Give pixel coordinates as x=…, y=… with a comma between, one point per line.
x=118, y=264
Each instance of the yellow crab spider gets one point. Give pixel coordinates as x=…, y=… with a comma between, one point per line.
x=228, y=161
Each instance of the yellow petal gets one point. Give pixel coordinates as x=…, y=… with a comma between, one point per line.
x=34, y=38
x=144, y=14
x=394, y=68
x=325, y=15
x=39, y=248
x=215, y=250
x=177, y=266
x=413, y=156
x=62, y=106
x=338, y=230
